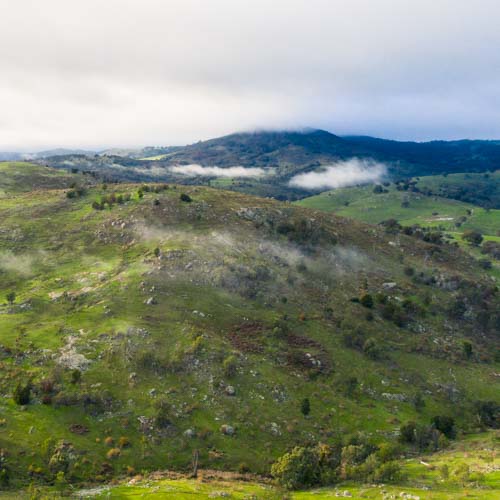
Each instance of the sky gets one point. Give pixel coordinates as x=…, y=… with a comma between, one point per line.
x=129, y=73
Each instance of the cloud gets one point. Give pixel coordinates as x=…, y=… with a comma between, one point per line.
x=342, y=174
x=198, y=170
x=128, y=73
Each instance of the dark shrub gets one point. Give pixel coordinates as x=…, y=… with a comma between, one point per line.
x=22, y=394
x=445, y=424
x=186, y=198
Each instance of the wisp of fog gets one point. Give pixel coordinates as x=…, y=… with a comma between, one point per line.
x=199, y=170
x=342, y=174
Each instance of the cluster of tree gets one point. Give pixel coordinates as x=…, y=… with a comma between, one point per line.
x=324, y=464
x=428, y=437
x=75, y=192
x=303, y=231
x=111, y=199
x=430, y=235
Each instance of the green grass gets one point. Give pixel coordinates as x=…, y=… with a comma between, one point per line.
x=84, y=275
x=429, y=211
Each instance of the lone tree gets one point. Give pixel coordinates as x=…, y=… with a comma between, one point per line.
x=11, y=297
x=305, y=407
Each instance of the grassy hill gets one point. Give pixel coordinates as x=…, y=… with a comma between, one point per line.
x=17, y=177
x=408, y=207
x=145, y=325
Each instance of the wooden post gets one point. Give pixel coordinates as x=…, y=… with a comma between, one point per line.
x=196, y=456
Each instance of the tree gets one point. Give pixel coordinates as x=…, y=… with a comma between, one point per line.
x=366, y=300
x=22, y=394
x=473, y=237
x=467, y=349
x=297, y=469
x=305, y=407
x=11, y=297
x=445, y=424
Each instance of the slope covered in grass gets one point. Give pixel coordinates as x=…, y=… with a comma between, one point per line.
x=18, y=177
x=407, y=207
x=149, y=327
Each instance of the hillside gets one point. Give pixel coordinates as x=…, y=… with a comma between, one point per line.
x=144, y=325
x=18, y=177
x=292, y=151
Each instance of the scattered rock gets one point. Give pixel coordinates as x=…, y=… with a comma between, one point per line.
x=189, y=433
x=230, y=390
x=151, y=301
x=226, y=429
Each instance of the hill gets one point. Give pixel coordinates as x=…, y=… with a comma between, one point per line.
x=283, y=154
x=18, y=177
x=291, y=151
x=140, y=325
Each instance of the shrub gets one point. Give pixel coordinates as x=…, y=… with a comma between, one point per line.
x=388, y=472
x=372, y=349
x=76, y=376
x=109, y=441
x=467, y=349
x=366, y=300
x=22, y=394
x=11, y=297
x=305, y=407
x=473, y=237
x=488, y=413
x=297, y=469
x=124, y=442
x=162, y=417
x=445, y=424
x=113, y=453
x=186, y=198
x=230, y=366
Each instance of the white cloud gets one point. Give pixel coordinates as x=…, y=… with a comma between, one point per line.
x=198, y=170
x=94, y=73
x=342, y=174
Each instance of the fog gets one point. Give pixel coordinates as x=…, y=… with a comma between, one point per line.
x=346, y=173
x=198, y=170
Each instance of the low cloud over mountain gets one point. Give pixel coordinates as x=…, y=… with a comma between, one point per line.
x=342, y=174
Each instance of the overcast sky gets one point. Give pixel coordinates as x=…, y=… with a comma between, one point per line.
x=100, y=73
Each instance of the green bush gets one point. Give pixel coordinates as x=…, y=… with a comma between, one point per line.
x=299, y=468
x=230, y=366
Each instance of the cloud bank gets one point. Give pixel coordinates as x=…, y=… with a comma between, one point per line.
x=91, y=73
x=199, y=170
x=342, y=174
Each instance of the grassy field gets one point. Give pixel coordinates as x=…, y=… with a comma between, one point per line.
x=363, y=204
x=227, y=311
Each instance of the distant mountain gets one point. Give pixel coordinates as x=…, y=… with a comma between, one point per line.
x=291, y=152
x=10, y=156
x=284, y=154
x=57, y=152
